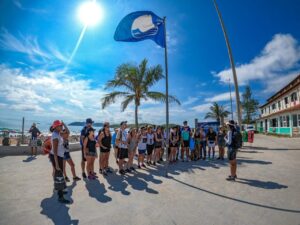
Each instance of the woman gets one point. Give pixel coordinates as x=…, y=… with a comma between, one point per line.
x=232, y=150
x=203, y=144
x=150, y=145
x=197, y=139
x=132, y=145
x=142, y=146
x=104, y=141
x=89, y=147
x=174, y=138
x=158, y=142
x=113, y=142
x=211, y=137
x=57, y=154
x=67, y=157
x=221, y=143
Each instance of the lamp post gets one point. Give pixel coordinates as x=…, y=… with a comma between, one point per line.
x=237, y=95
x=230, y=99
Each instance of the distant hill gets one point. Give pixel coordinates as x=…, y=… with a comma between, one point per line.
x=116, y=125
x=83, y=124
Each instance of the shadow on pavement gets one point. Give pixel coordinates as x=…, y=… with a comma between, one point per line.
x=273, y=149
x=261, y=162
x=29, y=159
x=138, y=182
x=97, y=190
x=261, y=184
x=57, y=212
x=236, y=199
x=117, y=183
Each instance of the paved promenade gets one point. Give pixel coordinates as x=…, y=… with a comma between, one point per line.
x=267, y=191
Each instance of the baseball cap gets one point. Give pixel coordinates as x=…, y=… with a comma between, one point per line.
x=123, y=122
x=89, y=120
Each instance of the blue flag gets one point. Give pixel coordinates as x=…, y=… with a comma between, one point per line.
x=139, y=26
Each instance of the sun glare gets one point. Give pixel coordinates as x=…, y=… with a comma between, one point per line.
x=90, y=13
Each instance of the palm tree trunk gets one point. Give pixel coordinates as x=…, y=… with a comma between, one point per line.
x=136, y=116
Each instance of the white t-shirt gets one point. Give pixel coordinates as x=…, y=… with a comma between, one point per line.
x=60, y=147
x=150, y=139
x=123, y=138
x=142, y=145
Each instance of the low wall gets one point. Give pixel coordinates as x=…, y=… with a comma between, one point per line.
x=25, y=150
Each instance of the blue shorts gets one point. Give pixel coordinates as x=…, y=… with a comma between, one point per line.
x=142, y=152
x=67, y=156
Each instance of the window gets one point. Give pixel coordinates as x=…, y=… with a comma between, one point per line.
x=295, y=120
x=287, y=121
x=274, y=122
x=269, y=109
x=279, y=105
x=294, y=97
x=262, y=111
x=281, y=122
x=298, y=120
x=273, y=106
x=286, y=100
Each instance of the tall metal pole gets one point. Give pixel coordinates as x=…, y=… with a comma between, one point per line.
x=230, y=99
x=167, y=98
x=23, y=122
x=237, y=95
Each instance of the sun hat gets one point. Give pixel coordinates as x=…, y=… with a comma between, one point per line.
x=56, y=123
x=89, y=120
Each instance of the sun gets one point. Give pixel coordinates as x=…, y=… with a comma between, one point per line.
x=90, y=13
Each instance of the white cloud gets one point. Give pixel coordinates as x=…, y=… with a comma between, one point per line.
x=19, y=5
x=190, y=100
x=279, y=57
x=221, y=97
x=202, y=108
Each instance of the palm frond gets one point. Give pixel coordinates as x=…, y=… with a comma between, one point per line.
x=127, y=101
x=158, y=96
x=153, y=75
x=111, y=98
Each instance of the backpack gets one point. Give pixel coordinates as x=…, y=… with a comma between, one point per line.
x=47, y=146
x=237, y=139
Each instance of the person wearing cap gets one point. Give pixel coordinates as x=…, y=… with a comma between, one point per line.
x=104, y=142
x=88, y=124
x=90, y=153
x=231, y=152
x=33, y=140
x=122, y=143
x=57, y=154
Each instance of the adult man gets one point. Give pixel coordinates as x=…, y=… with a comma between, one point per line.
x=88, y=124
x=33, y=141
x=122, y=144
x=232, y=145
x=185, y=140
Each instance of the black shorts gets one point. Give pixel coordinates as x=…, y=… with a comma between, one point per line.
x=150, y=149
x=173, y=145
x=60, y=161
x=186, y=144
x=231, y=154
x=123, y=153
x=82, y=154
x=103, y=150
x=158, y=145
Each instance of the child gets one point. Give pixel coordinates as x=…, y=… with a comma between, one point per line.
x=192, y=149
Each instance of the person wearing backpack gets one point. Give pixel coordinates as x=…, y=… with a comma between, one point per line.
x=232, y=142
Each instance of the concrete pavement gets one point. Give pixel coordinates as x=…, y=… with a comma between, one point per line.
x=267, y=191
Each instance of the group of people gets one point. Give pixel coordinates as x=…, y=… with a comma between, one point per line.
x=148, y=144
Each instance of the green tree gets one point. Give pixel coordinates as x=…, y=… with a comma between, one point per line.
x=250, y=105
x=134, y=83
x=217, y=112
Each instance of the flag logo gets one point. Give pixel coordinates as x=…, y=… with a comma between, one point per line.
x=143, y=26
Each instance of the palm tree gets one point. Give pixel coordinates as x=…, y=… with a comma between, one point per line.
x=135, y=82
x=217, y=112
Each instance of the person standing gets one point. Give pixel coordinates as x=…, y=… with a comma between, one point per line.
x=104, y=141
x=185, y=141
x=113, y=142
x=122, y=143
x=158, y=143
x=132, y=145
x=150, y=145
x=67, y=157
x=203, y=144
x=197, y=143
x=33, y=140
x=232, y=149
x=90, y=153
x=142, y=146
x=174, y=137
x=88, y=124
x=221, y=143
x=57, y=154
x=211, y=138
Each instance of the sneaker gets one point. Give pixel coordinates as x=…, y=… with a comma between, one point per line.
x=143, y=165
x=230, y=178
x=76, y=178
x=132, y=168
x=139, y=167
x=235, y=177
x=83, y=175
x=122, y=172
x=161, y=160
x=100, y=171
x=218, y=158
x=154, y=164
x=67, y=179
x=128, y=170
x=109, y=170
x=63, y=200
x=148, y=163
x=104, y=173
x=94, y=175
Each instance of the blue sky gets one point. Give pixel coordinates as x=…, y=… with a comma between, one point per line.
x=38, y=37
